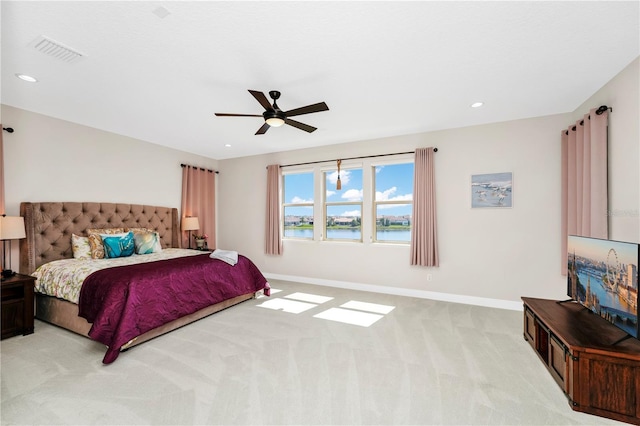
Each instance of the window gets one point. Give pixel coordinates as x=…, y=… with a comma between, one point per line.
x=374, y=204
x=393, y=203
x=298, y=205
x=343, y=208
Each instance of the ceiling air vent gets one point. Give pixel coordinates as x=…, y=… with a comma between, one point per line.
x=56, y=50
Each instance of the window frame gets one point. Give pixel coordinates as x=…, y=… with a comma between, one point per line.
x=375, y=203
x=284, y=204
x=368, y=205
x=325, y=203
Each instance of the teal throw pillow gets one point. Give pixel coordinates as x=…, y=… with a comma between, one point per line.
x=118, y=245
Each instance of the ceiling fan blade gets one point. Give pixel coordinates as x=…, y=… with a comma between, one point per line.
x=307, y=109
x=262, y=130
x=260, y=97
x=300, y=125
x=224, y=114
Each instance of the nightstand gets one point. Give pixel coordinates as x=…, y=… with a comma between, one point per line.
x=17, y=305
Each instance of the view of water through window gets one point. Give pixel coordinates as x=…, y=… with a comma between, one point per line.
x=342, y=208
x=349, y=234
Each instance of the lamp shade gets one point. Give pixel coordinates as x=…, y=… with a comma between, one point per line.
x=12, y=228
x=190, y=223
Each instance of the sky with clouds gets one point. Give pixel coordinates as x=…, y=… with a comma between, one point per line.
x=393, y=182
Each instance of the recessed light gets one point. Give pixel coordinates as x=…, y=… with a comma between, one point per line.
x=27, y=78
x=477, y=104
x=161, y=12
x=227, y=145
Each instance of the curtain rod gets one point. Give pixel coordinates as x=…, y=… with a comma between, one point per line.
x=352, y=158
x=195, y=167
x=599, y=111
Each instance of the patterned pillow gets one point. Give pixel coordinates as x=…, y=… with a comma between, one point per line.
x=95, y=240
x=147, y=242
x=138, y=230
x=118, y=245
x=80, y=246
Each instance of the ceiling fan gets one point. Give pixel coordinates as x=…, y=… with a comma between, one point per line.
x=275, y=117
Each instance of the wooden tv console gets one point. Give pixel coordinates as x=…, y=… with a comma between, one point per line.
x=598, y=370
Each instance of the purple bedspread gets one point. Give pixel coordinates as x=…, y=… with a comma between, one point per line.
x=127, y=301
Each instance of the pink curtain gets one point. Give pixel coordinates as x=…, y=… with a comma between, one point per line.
x=424, y=241
x=1, y=172
x=199, y=200
x=584, y=179
x=273, y=236
x=1, y=185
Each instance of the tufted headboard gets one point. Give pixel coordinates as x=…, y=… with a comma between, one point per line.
x=49, y=226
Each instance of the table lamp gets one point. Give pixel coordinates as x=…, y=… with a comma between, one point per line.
x=190, y=223
x=11, y=228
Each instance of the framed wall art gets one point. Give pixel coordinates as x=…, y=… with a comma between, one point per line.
x=492, y=190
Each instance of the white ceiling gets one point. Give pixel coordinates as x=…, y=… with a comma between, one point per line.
x=383, y=68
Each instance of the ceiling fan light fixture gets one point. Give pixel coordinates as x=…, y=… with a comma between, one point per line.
x=275, y=121
x=275, y=117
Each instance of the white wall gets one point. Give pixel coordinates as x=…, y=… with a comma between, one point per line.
x=489, y=253
x=486, y=253
x=47, y=159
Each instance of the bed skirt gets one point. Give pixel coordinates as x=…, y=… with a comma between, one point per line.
x=65, y=314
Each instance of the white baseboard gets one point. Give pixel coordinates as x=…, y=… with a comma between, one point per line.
x=398, y=291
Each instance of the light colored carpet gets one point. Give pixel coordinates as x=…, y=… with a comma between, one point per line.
x=424, y=362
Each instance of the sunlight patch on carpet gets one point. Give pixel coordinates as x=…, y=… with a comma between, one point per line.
x=307, y=297
x=363, y=319
x=291, y=306
x=368, y=307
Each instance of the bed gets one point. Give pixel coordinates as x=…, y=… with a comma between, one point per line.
x=139, y=294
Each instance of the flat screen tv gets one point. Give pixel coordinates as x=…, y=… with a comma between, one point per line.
x=603, y=277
